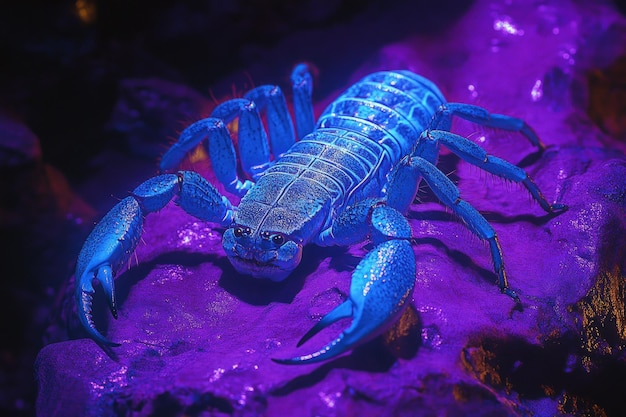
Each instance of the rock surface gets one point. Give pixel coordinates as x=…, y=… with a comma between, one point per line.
x=197, y=338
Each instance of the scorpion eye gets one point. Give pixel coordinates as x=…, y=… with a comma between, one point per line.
x=241, y=231
x=278, y=240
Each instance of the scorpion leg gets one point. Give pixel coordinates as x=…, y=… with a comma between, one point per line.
x=475, y=155
x=381, y=284
x=115, y=237
x=252, y=141
x=221, y=152
x=414, y=168
x=270, y=98
x=483, y=117
x=302, y=84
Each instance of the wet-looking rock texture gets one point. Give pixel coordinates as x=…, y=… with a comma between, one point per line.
x=197, y=338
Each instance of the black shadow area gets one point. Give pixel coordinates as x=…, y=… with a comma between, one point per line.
x=262, y=292
x=371, y=357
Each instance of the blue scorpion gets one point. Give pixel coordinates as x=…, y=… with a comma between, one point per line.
x=350, y=177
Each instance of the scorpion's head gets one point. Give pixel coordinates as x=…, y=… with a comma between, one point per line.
x=262, y=253
x=266, y=241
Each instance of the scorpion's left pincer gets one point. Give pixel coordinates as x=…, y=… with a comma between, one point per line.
x=114, y=239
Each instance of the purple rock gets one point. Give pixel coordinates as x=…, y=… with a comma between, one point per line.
x=195, y=335
x=197, y=338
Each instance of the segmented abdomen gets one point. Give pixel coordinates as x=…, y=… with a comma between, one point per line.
x=362, y=134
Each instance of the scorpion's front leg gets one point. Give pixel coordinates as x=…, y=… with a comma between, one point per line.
x=114, y=239
x=382, y=282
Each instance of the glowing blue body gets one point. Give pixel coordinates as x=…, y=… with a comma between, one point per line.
x=363, y=134
x=346, y=159
x=350, y=177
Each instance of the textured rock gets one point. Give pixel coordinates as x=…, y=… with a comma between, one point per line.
x=148, y=110
x=197, y=338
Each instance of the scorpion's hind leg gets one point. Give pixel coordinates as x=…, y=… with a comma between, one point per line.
x=115, y=237
x=477, y=156
x=483, y=117
x=302, y=84
x=382, y=282
x=270, y=99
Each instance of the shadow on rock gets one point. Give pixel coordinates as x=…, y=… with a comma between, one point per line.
x=263, y=292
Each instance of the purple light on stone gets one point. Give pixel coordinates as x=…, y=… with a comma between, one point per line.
x=472, y=89
x=330, y=399
x=536, y=92
x=505, y=25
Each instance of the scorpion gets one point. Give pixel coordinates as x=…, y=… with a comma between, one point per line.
x=350, y=177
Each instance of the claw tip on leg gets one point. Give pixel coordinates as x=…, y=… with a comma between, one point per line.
x=512, y=294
